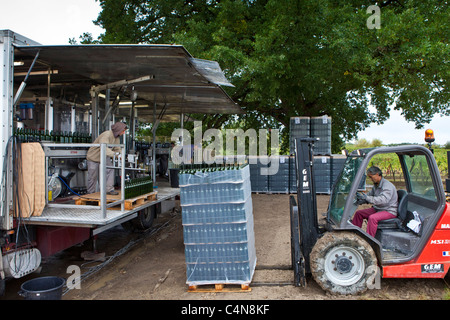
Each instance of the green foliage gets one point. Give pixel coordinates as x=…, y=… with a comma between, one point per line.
x=390, y=161
x=305, y=58
x=363, y=143
x=441, y=159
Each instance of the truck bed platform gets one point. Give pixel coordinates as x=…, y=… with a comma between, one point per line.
x=90, y=218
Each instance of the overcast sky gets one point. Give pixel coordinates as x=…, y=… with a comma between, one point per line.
x=50, y=21
x=53, y=22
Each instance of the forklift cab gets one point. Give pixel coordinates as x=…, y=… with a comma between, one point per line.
x=344, y=258
x=420, y=191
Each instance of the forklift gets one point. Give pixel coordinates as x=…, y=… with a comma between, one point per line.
x=343, y=258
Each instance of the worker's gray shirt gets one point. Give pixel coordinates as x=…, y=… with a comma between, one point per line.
x=384, y=197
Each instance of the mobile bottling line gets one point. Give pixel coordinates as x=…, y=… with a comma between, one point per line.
x=56, y=100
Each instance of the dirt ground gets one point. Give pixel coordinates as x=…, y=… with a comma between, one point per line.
x=154, y=267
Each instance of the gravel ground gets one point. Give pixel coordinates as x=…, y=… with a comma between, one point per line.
x=151, y=265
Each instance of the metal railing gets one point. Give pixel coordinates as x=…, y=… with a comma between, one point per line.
x=62, y=150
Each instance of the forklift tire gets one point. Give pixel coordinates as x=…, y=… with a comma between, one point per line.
x=143, y=221
x=343, y=263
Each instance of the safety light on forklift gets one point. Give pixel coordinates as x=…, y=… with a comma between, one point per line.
x=429, y=135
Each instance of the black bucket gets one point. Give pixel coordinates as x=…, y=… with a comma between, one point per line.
x=174, y=180
x=44, y=288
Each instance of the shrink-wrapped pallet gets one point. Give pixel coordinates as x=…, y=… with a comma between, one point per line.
x=218, y=231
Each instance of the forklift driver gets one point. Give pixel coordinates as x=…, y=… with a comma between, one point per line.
x=93, y=158
x=383, y=197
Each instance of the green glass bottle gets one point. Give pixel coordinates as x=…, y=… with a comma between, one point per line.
x=126, y=191
x=140, y=186
x=25, y=135
x=133, y=188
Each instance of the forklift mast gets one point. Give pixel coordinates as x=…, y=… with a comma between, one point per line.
x=304, y=223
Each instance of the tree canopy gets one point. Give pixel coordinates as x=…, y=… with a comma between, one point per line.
x=305, y=57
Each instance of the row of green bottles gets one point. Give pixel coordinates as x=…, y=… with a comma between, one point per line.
x=138, y=186
x=32, y=135
x=192, y=169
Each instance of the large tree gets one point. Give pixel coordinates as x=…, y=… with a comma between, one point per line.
x=306, y=57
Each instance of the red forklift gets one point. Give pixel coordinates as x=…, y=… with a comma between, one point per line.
x=343, y=258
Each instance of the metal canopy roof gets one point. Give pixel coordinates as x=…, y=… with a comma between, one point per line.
x=174, y=80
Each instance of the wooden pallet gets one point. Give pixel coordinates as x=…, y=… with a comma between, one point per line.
x=129, y=204
x=220, y=287
x=140, y=200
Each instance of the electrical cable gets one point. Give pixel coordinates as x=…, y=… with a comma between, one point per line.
x=16, y=150
x=68, y=186
x=17, y=173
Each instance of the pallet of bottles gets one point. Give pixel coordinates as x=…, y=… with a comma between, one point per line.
x=138, y=186
x=238, y=273
x=214, y=173
x=217, y=215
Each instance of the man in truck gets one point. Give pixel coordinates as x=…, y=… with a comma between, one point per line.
x=384, y=199
x=93, y=158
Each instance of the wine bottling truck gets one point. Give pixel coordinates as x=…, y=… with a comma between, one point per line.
x=55, y=100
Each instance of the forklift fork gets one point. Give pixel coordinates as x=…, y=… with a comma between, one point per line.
x=297, y=258
x=304, y=224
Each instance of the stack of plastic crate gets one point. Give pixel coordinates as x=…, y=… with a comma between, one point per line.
x=299, y=127
x=258, y=180
x=321, y=128
x=337, y=162
x=322, y=174
x=217, y=215
x=279, y=182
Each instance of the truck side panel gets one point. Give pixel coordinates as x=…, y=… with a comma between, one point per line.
x=434, y=261
x=51, y=240
x=6, y=102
